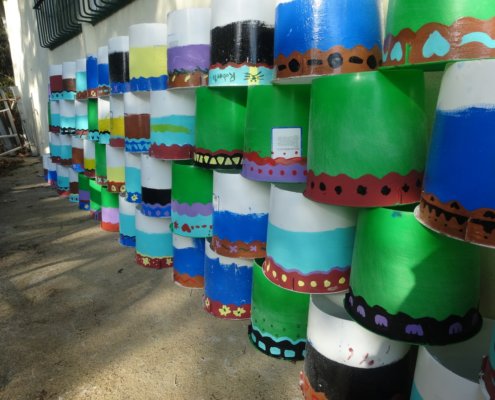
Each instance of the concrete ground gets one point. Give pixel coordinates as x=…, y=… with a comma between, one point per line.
x=80, y=320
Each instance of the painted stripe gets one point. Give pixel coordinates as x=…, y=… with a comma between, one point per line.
x=127, y=224
x=229, y=284
x=308, y=252
x=467, y=84
x=240, y=76
x=154, y=244
x=133, y=179
x=460, y=162
x=110, y=215
x=303, y=25
x=478, y=37
x=245, y=228
x=191, y=260
x=189, y=58
x=198, y=226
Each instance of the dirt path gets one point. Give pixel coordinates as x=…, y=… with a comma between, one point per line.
x=80, y=320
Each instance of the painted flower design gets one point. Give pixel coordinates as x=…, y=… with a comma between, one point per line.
x=233, y=249
x=146, y=261
x=122, y=189
x=113, y=188
x=239, y=311
x=224, y=311
x=134, y=197
x=207, y=302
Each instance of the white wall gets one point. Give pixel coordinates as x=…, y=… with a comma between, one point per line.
x=30, y=62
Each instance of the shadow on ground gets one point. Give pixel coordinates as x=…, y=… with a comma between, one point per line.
x=80, y=320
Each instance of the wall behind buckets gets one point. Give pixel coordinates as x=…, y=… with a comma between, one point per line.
x=251, y=188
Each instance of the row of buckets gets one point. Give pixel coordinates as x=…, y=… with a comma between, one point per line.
x=342, y=359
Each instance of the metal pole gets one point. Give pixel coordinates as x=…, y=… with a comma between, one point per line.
x=10, y=151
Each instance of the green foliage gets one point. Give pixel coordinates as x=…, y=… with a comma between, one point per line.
x=6, y=70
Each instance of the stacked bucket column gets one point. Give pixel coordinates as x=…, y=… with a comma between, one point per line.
x=383, y=171
x=239, y=230
x=192, y=219
x=147, y=74
x=275, y=148
x=55, y=94
x=349, y=168
x=130, y=198
x=234, y=65
x=55, y=79
x=104, y=157
x=173, y=137
x=79, y=140
x=432, y=38
x=156, y=187
x=65, y=174
x=91, y=139
x=118, y=62
x=81, y=114
x=227, y=279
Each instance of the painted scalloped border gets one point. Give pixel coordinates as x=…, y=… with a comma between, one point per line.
x=293, y=170
x=127, y=241
x=407, y=47
x=453, y=220
x=283, y=349
x=156, y=210
x=365, y=191
x=402, y=327
x=173, y=152
x=221, y=159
